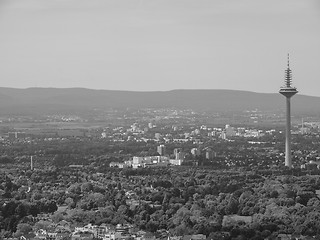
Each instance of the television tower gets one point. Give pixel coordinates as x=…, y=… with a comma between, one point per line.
x=288, y=91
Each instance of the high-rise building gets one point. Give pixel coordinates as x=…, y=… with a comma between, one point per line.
x=161, y=149
x=223, y=135
x=229, y=131
x=210, y=154
x=178, y=154
x=157, y=136
x=176, y=150
x=195, y=152
x=288, y=91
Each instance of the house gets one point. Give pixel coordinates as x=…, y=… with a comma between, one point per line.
x=111, y=235
x=148, y=236
x=63, y=236
x=174, y=238
x=194, y=237
x=27, y=236
x=283, y=236
x=41, y=234
x=88, y=228
x=51, y=235
x=63, y=223
x=123, y=229
x=187, y=237
x=82, y=236
x=198, y=237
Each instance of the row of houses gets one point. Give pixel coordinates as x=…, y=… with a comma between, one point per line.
x=103, y=232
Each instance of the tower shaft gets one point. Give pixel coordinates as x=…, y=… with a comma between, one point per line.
x=288, y=162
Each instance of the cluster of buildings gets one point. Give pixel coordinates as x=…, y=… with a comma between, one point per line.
x=153, y=161
x=163, y=159
x=175, y=134
x=89, y=232
x=149, y=161
x=102, y=232
x=138, y=134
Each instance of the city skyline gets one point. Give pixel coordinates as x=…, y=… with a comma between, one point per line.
x=159, y=45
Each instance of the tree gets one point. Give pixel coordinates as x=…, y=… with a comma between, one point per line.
x=123, y=210
x=98, y=199
x=22, y=229
x=75, y=188
x=21, y=210
x=232, y=207
x=70, y=202
x=51, y=206
x=86, y=187
x=57, y=217
x=152, y=226
x=42, y=225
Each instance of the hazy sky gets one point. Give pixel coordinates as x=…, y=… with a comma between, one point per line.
x=155, y=45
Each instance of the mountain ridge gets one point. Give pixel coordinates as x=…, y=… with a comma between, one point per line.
x=55, y=100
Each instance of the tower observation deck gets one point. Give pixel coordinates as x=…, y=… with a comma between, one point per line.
x=288, y=91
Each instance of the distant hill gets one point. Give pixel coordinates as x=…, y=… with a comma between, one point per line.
x=75, y=100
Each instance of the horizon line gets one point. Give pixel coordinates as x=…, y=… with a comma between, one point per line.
x=146, y=91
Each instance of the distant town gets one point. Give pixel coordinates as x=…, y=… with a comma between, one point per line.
x=169, y=137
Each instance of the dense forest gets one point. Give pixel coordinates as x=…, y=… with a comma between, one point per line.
x=179, y=200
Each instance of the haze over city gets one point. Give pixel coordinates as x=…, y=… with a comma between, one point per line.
x=160, y=45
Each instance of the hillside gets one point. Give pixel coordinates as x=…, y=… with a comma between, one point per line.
x=73, y=100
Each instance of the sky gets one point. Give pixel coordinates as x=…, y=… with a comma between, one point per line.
x=160, y=45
